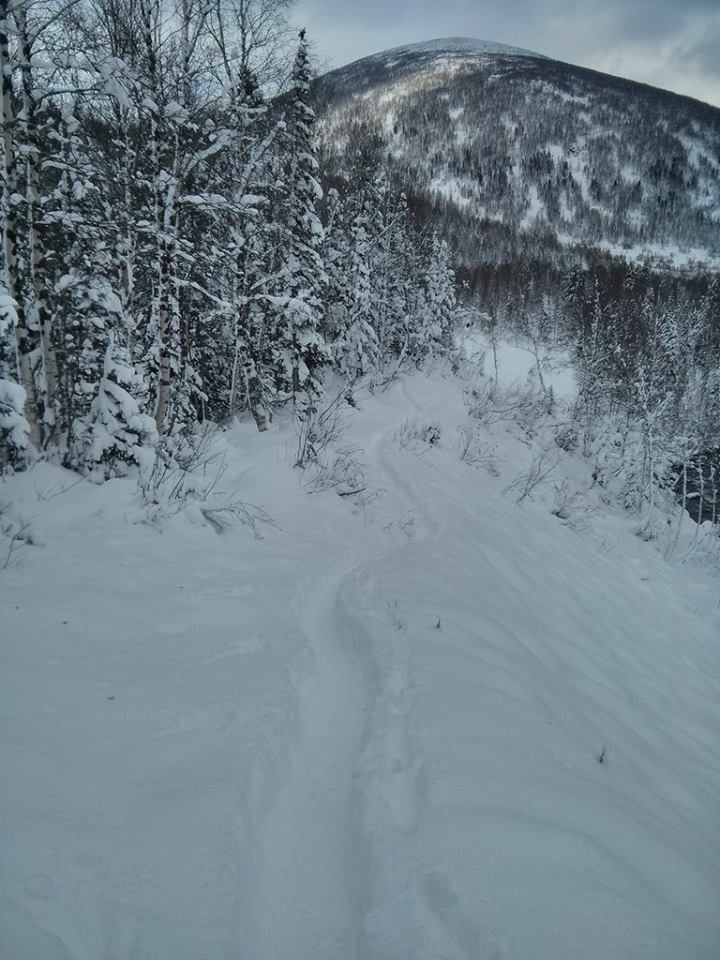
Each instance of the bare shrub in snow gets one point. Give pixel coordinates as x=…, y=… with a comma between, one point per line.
x=191, y=484
x=570, y=506
x=704, y=546
x=411, y=432
x=564, y=500
x=341, y=470
x=319, y=430
x=14, y=533
x=319, y=451
x=489, y=403
x=52, y=490
x=481, y=400
x=541, y=468
x=174, y=476
x=475, y=451
x=567, y=437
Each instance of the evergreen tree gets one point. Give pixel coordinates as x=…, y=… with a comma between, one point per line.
x=121, y=436
x=254, y=136
x=440, y=298
x=352, y=300
x=299, y=348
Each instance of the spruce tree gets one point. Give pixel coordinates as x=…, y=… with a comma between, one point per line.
x=353, y=301
x=121, y=436
x=299, y=348
x=441, y=304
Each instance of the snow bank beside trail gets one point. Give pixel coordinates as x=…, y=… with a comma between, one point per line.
x=537, y=653
x=425, y=721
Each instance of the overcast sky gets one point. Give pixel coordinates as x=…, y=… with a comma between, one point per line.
x=673, y=44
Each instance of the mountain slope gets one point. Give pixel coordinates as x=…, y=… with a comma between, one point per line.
x=519, y=155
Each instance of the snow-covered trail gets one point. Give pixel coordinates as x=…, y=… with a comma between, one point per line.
x=312, y=844
x=371, y=735
x=308, y=844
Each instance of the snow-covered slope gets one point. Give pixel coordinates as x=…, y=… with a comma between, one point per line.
x=515, y=154
x=451, y=45
x=417, y=722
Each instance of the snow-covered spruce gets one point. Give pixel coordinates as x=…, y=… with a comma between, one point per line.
x=120, y=435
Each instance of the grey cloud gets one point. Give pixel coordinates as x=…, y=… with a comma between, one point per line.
x=706, y=55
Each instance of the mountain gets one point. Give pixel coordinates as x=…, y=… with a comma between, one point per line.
x=518, y=156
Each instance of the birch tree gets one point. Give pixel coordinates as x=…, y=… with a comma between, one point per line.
x=16, y=308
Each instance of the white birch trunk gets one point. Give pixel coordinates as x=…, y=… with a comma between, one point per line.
x=38, y=277
x=14, y=281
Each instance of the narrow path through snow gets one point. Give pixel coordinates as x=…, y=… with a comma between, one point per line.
x=306, y=909
x=313, y=844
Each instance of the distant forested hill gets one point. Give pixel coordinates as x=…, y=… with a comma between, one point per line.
x=522, y=158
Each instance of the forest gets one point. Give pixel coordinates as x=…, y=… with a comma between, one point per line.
x=164, y=260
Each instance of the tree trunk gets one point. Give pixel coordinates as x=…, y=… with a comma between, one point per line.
x=163, y=221
x=36, y=231
x=24, y=337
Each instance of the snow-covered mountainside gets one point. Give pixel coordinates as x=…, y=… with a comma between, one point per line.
x=408, y=56
x=517, y=154
x=446, y=705
x=456, y=45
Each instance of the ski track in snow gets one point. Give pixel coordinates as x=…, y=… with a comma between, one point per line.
x=306, y=906
x=350, y=767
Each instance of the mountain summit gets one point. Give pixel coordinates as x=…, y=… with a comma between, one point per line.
x=517, y=155
x=455, y=45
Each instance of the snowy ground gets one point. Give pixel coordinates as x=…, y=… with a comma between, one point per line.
x=373, y=734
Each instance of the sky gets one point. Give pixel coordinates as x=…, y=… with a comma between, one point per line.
x=674, y=44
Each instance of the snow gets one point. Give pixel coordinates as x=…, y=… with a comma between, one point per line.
x=658, y=254
x=535, y=208
x=450, y=188
x=458, y=45
x=371, y=730
x=517, y=365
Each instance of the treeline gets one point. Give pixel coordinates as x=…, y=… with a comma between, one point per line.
x=646, y=352
x=648, y=364
x=509, y=289
x=168, y=254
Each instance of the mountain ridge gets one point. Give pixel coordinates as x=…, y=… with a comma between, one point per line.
x=470, y=46
x=455, y=45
